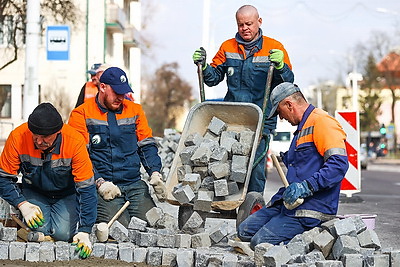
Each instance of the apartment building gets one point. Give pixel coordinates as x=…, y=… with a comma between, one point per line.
x=107, y=31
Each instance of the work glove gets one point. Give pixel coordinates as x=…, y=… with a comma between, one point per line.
x=199, y=56
x=295, y=191
x=276, y=56
x=109, y=191
x=32, y=214
x=158, y=185
x=83, y=245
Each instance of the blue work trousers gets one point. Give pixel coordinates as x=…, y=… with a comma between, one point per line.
x=140, y=202
x=270, y=225
x=60, y=215
x=258, y=175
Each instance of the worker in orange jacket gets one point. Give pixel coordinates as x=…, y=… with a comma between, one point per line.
x=244, y=61
x=119, y=140
x=57, y=196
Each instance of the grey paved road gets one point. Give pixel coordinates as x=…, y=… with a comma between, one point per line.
x=380, y=195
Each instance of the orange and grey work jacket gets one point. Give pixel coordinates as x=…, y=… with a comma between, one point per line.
x=63, y=171
x=317, y=155
x=246, y=76
x=118, y=142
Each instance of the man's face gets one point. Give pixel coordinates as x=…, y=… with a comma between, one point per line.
x=248, y=25
x=284, y=112
x=43, y=142
x=111, y=100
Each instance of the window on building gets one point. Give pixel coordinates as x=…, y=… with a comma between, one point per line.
x=5, y=101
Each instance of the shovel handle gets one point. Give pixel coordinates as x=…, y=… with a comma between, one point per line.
x=201, y=81
x=118, y=214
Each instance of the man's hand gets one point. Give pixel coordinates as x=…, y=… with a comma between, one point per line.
x=109, y=191
x=200, y=56
x=276, y=56
x=295, y=191
x=83, y=244
x=32, y=214
x=158, y=185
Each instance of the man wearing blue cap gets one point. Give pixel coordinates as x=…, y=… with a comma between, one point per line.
x=119, y=140
x=316, y=164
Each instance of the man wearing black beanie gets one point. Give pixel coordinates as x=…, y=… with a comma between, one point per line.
x=58, y=194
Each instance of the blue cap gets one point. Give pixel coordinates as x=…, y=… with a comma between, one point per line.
x=93, y=68
x=279, y=93
x=116, y=78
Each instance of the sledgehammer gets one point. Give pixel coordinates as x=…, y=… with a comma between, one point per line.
x=102, y=228
x=278, y=167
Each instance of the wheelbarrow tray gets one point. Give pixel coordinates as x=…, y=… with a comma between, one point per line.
x=238, y=117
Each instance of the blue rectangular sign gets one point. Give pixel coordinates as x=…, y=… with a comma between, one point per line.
x=58, y=42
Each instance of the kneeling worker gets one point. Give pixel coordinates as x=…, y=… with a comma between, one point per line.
x=57, y=196
x=316, y=163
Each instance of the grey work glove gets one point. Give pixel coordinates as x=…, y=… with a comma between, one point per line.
x=108, y=190
x=158, y=185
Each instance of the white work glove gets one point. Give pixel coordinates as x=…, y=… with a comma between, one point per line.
x=109, y=191
x=83, y=244
x=32, y=214
x=158, y=185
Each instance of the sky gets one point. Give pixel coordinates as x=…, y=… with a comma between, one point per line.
x=318, y=35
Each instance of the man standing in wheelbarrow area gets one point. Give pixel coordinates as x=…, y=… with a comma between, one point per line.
x=119, y=140
x=57, y=196
x=316, y=164
x=245, y=61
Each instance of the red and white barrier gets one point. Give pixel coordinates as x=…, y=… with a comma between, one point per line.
x=351, y=125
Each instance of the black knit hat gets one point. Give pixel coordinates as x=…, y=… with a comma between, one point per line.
x=45, y=120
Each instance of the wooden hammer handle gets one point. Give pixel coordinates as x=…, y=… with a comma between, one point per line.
x=280, y=171
x=298, y=201
x=118, y=213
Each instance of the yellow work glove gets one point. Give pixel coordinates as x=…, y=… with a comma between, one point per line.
x=158, y=185
x=32, y=214
x=200, y=56
x=109, y=191
x=276, y=56
x=83, y=245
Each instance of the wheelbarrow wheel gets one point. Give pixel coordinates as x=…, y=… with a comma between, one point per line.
x=253, y=202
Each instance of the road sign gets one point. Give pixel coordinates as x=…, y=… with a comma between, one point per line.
x=58, y=42
x=351, y=125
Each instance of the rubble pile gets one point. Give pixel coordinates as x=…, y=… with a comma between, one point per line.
x=213, y=166
x=347, y=242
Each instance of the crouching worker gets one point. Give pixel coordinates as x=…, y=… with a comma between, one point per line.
x=57, y=196
x=119, y=141
x=316, y=164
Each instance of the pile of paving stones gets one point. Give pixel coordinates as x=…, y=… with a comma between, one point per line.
x=346, y=242
x=213, y=166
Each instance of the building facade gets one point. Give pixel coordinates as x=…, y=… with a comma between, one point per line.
x=108, y=31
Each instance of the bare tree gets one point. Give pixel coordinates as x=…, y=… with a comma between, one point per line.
x=13, y=20
x=166, y=97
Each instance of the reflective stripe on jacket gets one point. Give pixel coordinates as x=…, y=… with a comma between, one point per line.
x=118, y=141
x=65, y=170
x=247, y=76
x=317, y=154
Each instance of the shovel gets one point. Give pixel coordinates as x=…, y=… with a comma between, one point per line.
x=102, y=228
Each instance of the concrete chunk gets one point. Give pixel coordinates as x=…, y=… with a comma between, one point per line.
x=324, y=242
x=204, y=200
x=125, y=251
x=276, y=256
x=17, y=250
x=369, y=239
x=201, y=240
x=216, y=126
x=345, y=245
x=169, y=257
x=353, y=260
x=193, y=223
x=378, y=260
x=31, y=251
x=183, y=193
x=118, y=232
x=154, y=256
x=153, y=215
x=137, y=224
x=62, y=251
x=111, y=251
